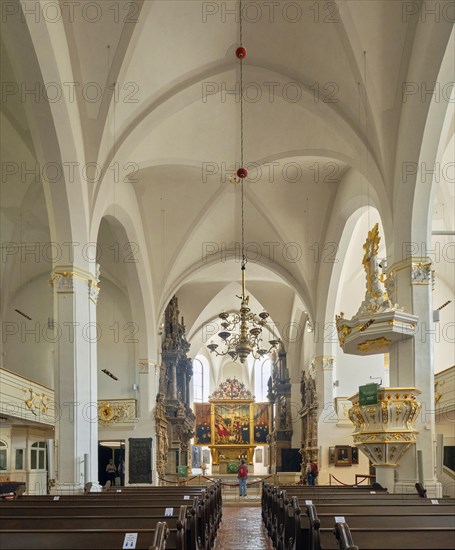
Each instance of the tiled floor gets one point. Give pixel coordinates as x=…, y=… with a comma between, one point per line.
x=242, y=529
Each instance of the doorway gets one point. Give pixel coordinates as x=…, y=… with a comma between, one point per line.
x=114, y=450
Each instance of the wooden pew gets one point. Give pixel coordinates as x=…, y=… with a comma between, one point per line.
x=290, y=527
x=194, y=528
x=84, y=539
x=404, y=538
x=209, y=510
x=14, y=526
x=275, y=500
x=11, y=489
x=314, y=530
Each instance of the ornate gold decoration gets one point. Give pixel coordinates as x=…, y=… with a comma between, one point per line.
x=384, y=432
x=373, y=344
x=376, y=297
x=106, y=412
x=112, y=412
x=385, y=413
x=376, y=301
x=437, y=395
x=162, y=438
x=36, y=402
x=231, y=389
x=421, y=273
x=343, y=330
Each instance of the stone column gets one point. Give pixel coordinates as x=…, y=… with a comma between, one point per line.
x=409, y=284
x=76, y=428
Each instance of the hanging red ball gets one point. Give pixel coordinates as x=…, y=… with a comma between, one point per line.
x=242, y=173
x=240, y=52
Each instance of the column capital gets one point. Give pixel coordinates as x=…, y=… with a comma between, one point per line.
x=420, y=267
x=63, y=277
x=326, y=361
x=145, y=365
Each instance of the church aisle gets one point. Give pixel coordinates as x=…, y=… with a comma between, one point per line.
x=242, y=528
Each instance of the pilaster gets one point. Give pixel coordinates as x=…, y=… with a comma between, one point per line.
x=412, y=363
x=148, y=386
x=76, y=428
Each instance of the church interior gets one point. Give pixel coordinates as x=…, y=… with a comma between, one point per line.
x=227, y=233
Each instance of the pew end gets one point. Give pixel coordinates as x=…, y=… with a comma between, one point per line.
x=161, y=535
x=344, y=537
x=422, y=492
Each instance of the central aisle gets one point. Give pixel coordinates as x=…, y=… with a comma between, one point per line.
x=242, y=529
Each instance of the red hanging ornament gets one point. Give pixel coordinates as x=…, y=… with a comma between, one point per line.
x=240, y=52
x=242, y=173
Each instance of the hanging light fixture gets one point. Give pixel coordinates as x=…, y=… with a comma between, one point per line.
x=241, y=334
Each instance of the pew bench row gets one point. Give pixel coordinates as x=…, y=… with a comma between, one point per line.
x=157, y=519
x=369, y=520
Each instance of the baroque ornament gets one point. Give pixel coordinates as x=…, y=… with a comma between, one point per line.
x=421, y=273
x=375, y=344
x=231, y=389
x=376, y=297
x=385, y=431
x=115, y=412
x=378, y=322
x=36, y=403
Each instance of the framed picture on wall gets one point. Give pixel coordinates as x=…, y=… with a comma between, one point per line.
x=343, y=455
x=331, y=455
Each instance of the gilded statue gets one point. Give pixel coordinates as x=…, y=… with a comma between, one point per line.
x=376, y=298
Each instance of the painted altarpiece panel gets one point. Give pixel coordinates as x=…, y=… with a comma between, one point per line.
x=231, y=424
x=261, y=422
x=203, y=432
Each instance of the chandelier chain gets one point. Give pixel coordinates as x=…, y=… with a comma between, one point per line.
x=241, y=133
x=241, y=333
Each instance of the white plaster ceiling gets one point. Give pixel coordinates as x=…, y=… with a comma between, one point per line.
x=166, y=133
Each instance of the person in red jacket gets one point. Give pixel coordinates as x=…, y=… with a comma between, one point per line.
x=243, y=476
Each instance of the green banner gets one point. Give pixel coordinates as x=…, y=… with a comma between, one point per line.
x=368, y=395
x=182, y=471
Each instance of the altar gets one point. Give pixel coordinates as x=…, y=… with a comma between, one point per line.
x=231, y=424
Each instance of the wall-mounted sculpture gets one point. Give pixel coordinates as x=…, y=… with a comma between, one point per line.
x=176, y=429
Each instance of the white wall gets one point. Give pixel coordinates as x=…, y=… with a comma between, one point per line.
x=116, y=346
x=29, y=351
x=444, y=338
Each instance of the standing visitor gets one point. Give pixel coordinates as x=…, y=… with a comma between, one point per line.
x=243, y=476
x=309, y=474
x=111, y=471
x=314, y=471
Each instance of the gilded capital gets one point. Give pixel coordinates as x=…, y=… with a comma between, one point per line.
x=62, y=281
x=421, y=273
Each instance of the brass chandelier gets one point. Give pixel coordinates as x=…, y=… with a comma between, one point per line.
x=241, y=334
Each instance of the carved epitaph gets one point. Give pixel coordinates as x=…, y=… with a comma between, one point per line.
x=309, y=417
x=140, y=460
x=175, y=377
x=279, y=395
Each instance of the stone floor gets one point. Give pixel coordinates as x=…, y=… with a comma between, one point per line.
x=242, y=529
